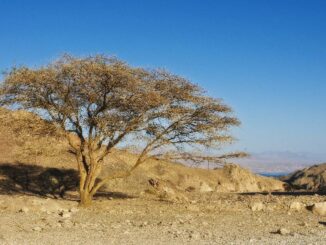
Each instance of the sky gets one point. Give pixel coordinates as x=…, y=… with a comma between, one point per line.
x=266, y=59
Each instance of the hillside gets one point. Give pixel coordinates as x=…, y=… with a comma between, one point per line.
x=183, y=210
x=311, y=179
x=37, y=154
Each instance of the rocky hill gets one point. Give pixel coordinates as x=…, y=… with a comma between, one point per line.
x=311, y=179
x=25, y=155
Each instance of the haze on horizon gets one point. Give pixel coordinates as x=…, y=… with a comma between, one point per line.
x=264, y=58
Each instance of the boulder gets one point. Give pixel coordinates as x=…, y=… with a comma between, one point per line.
x=319, y=208
x=257, y=206
x=283, y=231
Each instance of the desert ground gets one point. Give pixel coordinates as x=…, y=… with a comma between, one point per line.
x=206, y=219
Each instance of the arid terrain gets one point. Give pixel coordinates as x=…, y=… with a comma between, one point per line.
x=160, y=203
x=117, y=219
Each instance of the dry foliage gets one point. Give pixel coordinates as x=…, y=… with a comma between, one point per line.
x=102, y=103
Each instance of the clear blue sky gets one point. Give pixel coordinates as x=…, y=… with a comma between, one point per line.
x=267, y=59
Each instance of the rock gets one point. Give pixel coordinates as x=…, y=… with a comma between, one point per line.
x=37, y=228
x=194, y=235
x=73, y=210
x=181, y=221
x=65, y=215
x=24, y=210
x=283, y=231
x=305, y=224
x=204, y=187
x=204, y=223
x=66, y=223
x=319, y=208
x=51, y=207
x=238, y=179
x=145, y=223
x=38, y=202
x=296, y=206
x=257, y=206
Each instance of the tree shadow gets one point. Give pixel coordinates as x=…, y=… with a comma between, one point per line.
x=35, y=180
x=287, y=193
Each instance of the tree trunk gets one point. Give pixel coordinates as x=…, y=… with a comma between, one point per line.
x=87, y=182
x=85, y=199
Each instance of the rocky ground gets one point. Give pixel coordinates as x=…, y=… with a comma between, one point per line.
x=204, y=219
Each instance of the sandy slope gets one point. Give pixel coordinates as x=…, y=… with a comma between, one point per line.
x=26, y=147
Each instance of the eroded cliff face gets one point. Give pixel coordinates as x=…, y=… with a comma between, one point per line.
x=310, y=179
x=243, y=180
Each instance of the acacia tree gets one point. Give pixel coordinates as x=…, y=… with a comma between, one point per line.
x=102, y=103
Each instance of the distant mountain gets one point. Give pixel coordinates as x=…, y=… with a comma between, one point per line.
x=280, y=162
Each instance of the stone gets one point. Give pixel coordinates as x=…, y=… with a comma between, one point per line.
x=65, y=223
x=37, y=228
x=296, y=206
x=204, y=223
x=257, y=206
x=194, y=235
x=24, y=210
x=145, y=223
x=181, y=221
x=65, y=215
x=204, y=187
x=319, y=208
x=73, y=210
x=51, y=207
x=283, y=231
